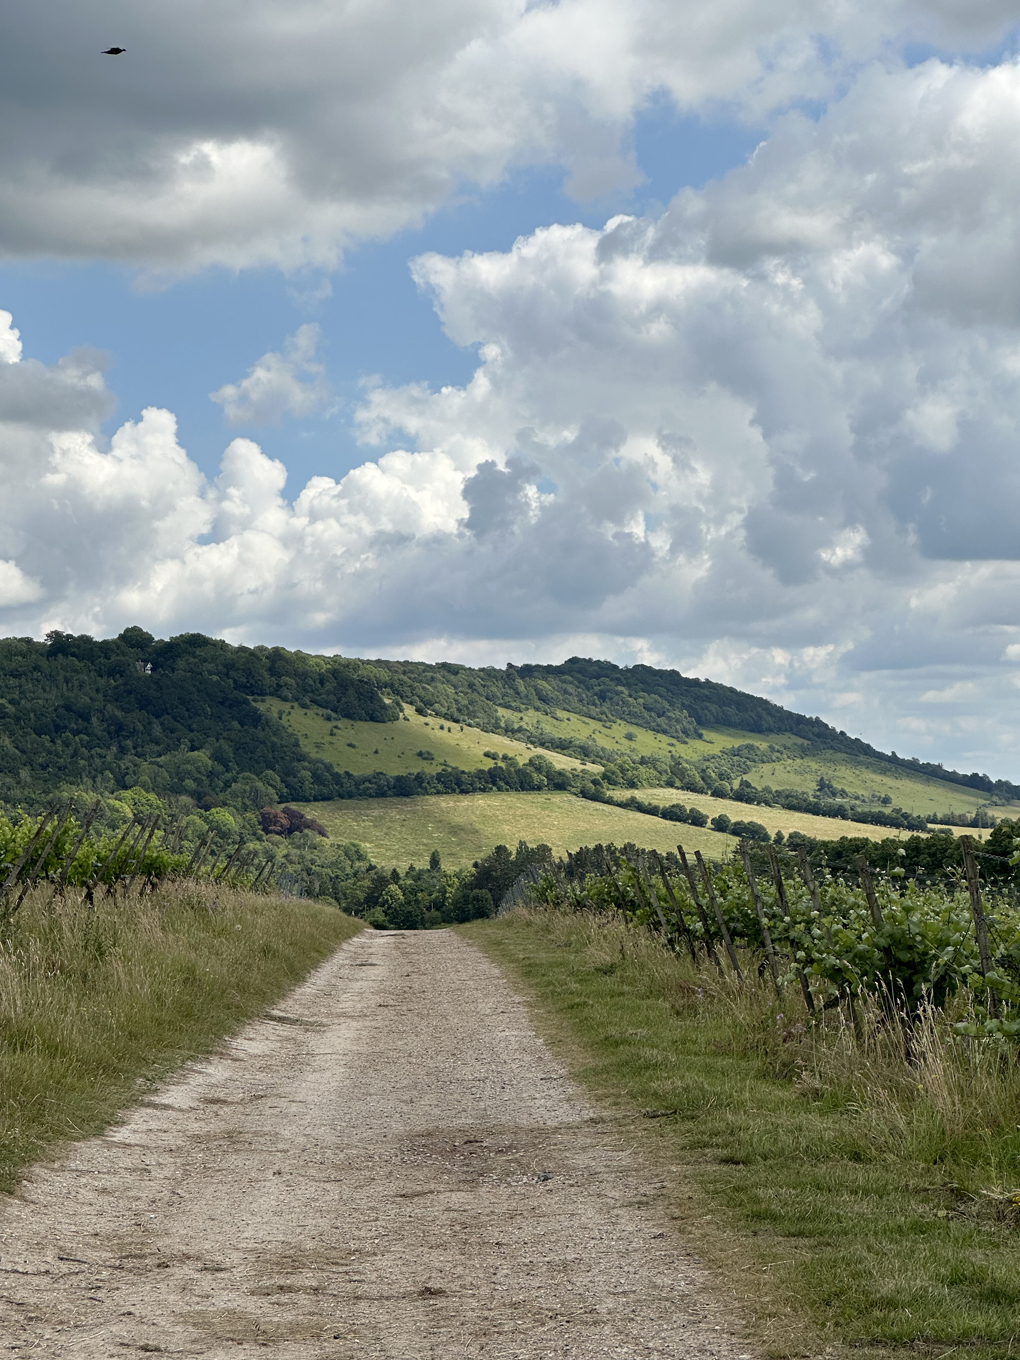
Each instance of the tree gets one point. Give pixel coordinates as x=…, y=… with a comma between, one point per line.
x=400, y=914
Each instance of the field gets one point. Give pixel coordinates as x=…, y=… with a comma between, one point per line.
x=774, y=818
x=463, y=827
x=393, y=748
x=912, y=792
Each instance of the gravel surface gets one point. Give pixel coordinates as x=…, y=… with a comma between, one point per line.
x=391, y=1165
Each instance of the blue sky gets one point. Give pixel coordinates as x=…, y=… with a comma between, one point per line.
x=762, y=428
x=172, y=342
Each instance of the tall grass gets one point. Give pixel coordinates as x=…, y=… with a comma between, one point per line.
x=95, y=1003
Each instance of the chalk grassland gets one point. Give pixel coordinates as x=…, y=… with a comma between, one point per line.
x=464, y=827
x=631, y=740
x=392, y=748
x=772, y=818
x=846, y=1210
x=857, y=774
x=95, y=1006
x=913, y=793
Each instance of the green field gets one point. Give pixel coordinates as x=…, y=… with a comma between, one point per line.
x=773, y=818
x=393, y=748
x=464, y=827
x=912, y=792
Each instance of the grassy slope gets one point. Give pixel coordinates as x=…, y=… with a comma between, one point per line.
x=362, y=747
x=366, y=747
x=830, y=1226
x=912, y=792
x=94, y=1006
x=463, y=827
x=775, y=819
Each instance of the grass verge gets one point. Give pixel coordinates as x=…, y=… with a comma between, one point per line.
x=839, y=1208
x=96, y=1005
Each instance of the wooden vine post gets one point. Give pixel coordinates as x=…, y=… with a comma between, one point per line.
x=727, y=938
x=777, y=878
x=651, y=896
x=812, y=887
x=970, y=869
x=677, y=911
x=692, y=883
x=868, y=884
x=93, y=811
x=752, y=883
x=26, y=854
x=36, y=871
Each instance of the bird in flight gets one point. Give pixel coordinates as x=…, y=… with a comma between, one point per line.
x=113, y=51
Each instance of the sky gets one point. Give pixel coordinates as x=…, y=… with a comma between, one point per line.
x=501, y=331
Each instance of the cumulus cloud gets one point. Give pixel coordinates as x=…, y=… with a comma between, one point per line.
x=240, y=135
x=278, y=385
x=768, y=435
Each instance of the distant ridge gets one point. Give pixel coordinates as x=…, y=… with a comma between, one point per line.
x=180, y=716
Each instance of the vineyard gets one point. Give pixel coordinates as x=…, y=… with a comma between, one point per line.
x=848, y=940
x=62, y=851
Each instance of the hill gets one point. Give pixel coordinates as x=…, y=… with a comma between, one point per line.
x=197, y=718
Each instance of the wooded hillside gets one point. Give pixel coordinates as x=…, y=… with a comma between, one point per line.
x=178, y=717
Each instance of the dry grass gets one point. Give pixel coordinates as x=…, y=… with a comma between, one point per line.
x=95, y=1004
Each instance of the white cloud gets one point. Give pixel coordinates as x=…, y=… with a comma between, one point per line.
x=278, y=385
x=780, y=430
x=962, y=692
x=10, y=340
x=16, y=588
x=275, y=134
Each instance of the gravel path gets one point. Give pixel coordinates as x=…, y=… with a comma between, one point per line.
x=392, y=1165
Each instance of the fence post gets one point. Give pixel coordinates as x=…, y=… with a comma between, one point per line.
x=980, y=923
x=770, y=953
x=777, y=878
x=710, y=889
x=702, y=914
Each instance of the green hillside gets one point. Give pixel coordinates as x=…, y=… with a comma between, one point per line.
x=197, y=719
x=413, y=743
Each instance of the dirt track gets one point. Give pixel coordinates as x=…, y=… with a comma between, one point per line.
x=392, y=1165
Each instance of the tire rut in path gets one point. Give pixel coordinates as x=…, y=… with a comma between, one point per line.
x=390, y=1165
